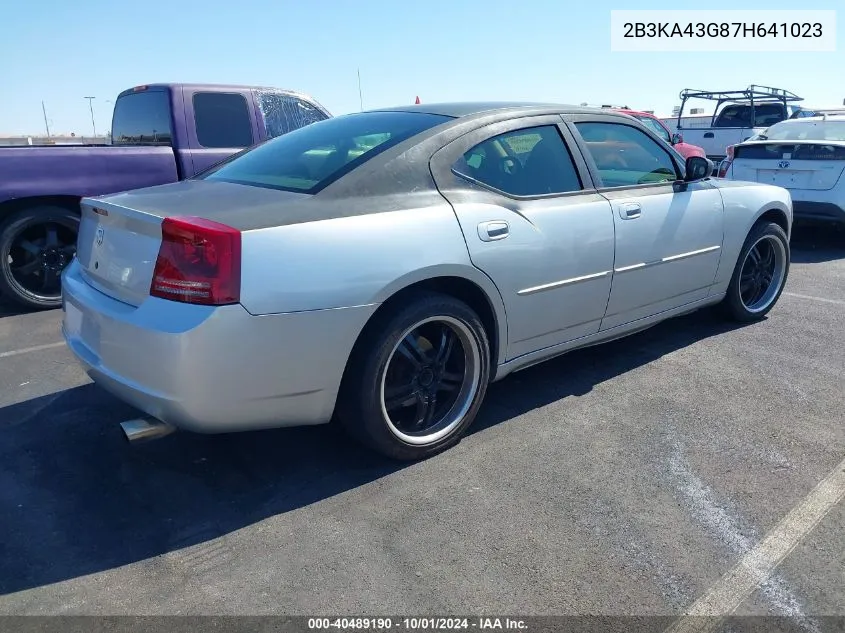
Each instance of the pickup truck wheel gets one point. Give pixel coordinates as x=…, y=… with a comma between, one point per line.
x=35, y=246
x=760, y=273
x=416, y=381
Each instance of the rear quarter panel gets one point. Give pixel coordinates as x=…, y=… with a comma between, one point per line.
x=356, y=261
x=82, y=171
x=745, y=203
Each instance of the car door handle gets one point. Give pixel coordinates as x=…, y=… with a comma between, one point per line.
x=495, y=230
x=630, y=210
x=708, y=135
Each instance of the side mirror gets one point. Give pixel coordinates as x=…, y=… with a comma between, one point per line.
x=677, y=139
x=698, y=168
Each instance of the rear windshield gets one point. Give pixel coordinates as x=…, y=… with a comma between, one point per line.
x=310, y=158
x=142, y=118
x=798, y=130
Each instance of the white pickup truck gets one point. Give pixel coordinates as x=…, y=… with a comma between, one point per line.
x=739, y=115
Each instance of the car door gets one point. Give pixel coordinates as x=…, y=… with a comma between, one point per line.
x=668, y=232
x=534, y=224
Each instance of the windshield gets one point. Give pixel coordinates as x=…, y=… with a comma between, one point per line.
x=654, y=126
x=310, y=158
x=798, y=130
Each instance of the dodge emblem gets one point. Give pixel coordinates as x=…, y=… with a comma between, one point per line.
x=783, y=164
x=100, y=234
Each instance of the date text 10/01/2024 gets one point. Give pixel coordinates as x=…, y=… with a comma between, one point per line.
x=415, y=624
x=722, y=29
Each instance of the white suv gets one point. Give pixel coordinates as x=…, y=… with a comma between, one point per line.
x=805, y=156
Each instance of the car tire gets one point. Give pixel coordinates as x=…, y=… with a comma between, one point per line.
x=417, y=377
x=765, y=255
x=27, y=226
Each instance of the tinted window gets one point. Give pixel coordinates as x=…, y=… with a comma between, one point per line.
x=626, y=156
x=526, y=162
x=222, y=120
x=142, y=118
x=312, y=157
x=655, y=127
x=740, y=115
x=283, y=113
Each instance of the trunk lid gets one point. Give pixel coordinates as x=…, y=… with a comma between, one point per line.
x=117, y=249
x=120, y=235
x=809, y=165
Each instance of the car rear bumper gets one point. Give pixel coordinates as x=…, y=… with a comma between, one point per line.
x=211, y=369
x=818, y=211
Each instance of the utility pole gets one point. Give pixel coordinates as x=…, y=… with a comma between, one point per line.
x=47, y=125
x=91, y=106
x=360, y=94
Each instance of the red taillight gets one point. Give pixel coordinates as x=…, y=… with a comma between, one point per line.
x=199, y=261
x=726, y=164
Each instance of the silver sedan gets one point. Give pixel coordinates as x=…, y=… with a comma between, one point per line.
x=383, y=268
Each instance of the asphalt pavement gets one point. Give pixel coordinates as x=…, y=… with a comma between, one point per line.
x=622, y=479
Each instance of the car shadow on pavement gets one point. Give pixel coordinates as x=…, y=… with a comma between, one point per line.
x=814, y=244
x=77, y=499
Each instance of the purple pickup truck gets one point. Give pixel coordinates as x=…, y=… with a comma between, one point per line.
x=160, y=133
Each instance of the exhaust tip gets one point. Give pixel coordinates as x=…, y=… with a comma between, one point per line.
x=145, y=429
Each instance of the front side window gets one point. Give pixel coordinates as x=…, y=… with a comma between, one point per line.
x=283, y=112
x=222, y=120
x=310, y=158
x=626, y=156
x=655, y=127
x=142, y=118
x=527, y=162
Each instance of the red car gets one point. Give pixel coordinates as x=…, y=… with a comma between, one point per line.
x=657, y=126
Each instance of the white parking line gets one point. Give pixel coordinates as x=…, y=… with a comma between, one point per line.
x=27, y=350
x=811, y=298
x=758, y=565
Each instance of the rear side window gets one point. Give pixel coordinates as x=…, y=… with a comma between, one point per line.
x=626, y=156
x=142, y=118
x=283, y=113
x=222, y=119
x=310, y=158
x=740, y=115
x=527, y=162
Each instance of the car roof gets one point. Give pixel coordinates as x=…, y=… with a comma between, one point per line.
x=470, y=109
x=839, y=116
x=633, y=112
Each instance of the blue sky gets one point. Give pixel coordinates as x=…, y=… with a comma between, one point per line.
x=546, y=50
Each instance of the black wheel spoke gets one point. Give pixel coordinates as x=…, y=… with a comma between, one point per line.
x=447, y=342
x=450, y=381
x=399, y=396
x=29, y=247
x=51, y=278
x=52, y=235
x=28, y=269
x=754, y=254
x=769, y=259
x=410, y=349
x=425, y=410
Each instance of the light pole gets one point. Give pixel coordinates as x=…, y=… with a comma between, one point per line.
x=91, y=106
